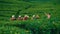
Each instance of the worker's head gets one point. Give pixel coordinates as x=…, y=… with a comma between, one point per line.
x=33, y=15
x=26, y=16
x=37, y=15
x=13, y=15
x=19, y=15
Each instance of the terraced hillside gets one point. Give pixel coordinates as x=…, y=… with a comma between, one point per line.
x=19, y=7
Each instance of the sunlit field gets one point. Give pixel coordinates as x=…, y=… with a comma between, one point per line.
x=30, y=8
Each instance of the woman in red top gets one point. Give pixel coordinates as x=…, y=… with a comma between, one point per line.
x=25, y=17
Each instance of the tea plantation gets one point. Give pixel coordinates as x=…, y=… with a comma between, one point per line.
x=36, y=26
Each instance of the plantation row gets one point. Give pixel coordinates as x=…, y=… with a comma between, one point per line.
x=36, y=26
x=13, y=30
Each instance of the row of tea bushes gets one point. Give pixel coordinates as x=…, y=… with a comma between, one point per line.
x=13, y=30
x=36, y=26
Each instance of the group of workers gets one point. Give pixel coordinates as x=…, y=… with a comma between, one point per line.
x=26, y=17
